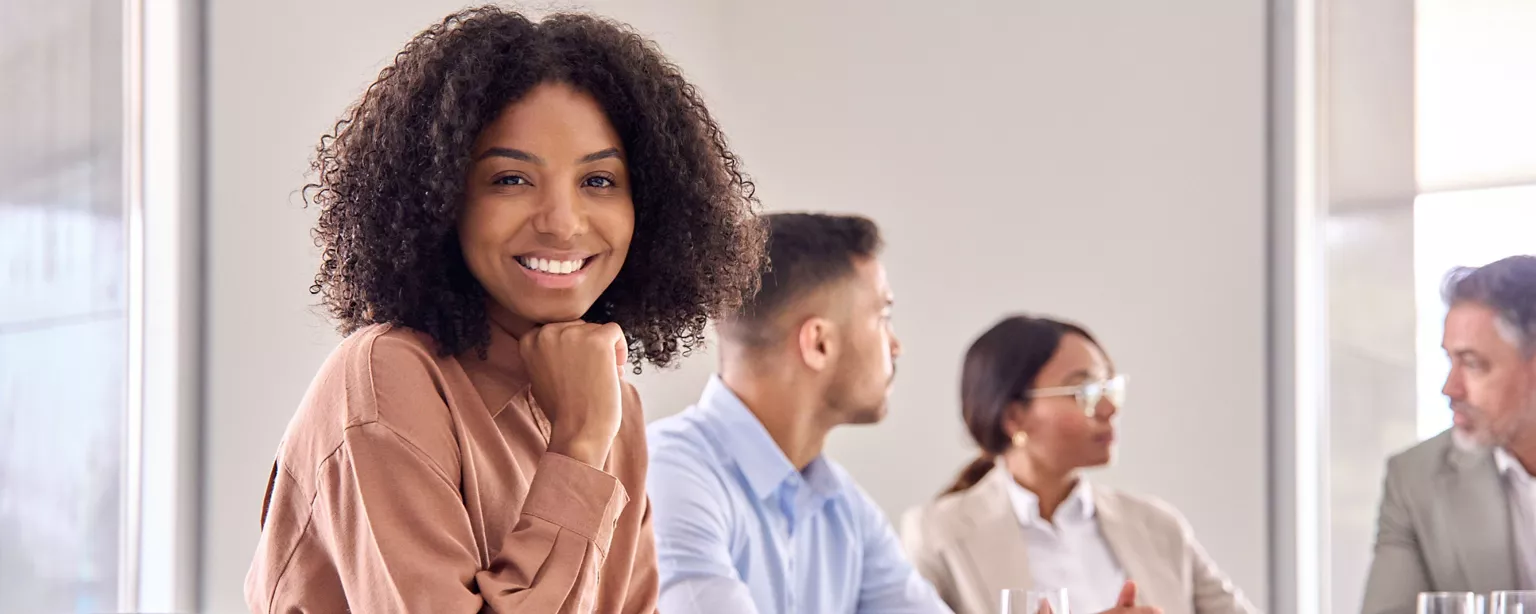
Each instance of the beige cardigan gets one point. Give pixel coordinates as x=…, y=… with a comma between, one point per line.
x=970, y=546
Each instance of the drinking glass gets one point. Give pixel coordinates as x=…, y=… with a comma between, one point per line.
x=1512, y=602
x=1450, y=603
x=1036, y=601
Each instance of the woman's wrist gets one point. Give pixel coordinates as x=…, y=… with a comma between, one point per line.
x=590, y=450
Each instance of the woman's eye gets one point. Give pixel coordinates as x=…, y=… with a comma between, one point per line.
x=512, y=180
x=598, y=181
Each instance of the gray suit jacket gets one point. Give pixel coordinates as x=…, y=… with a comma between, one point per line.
x=970, y=546
x=1444, y=526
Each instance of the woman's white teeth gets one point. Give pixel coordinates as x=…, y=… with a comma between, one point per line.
x=554, y=267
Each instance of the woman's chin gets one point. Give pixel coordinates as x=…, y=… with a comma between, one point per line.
x=556, y=314
x=541, y=310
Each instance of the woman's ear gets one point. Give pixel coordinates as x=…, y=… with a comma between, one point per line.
x=1016, y=418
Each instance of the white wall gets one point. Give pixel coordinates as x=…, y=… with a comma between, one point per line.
x=1098, y=160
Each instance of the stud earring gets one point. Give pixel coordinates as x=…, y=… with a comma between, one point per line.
x=1019, y=439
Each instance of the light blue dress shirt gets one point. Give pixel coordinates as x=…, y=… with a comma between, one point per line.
x=740, y=531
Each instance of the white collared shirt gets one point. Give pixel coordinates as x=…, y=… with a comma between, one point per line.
x=1521, y=487
x=1070, y=552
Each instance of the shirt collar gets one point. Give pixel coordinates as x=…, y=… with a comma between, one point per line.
x=1509, y=466
x=1079, y=504
x=747, y=442
x=503, y=363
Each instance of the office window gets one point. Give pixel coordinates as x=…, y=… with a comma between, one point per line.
x=1473, y=61
x=63, y=296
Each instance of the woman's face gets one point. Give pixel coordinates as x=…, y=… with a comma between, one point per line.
x=1060, y=433
x=548, y=215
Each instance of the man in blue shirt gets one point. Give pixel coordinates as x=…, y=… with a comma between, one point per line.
x=750, y=517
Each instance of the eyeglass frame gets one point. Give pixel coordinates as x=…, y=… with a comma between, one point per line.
x=1112, y=388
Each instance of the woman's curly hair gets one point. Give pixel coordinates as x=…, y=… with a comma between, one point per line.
x=391, y=180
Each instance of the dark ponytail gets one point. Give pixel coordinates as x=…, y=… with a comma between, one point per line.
x=1000, y=369
x=972, y=473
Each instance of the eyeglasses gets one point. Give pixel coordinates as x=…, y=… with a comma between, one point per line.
x=1088, y=395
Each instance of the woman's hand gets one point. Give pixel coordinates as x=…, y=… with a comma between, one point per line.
x=574, y=368
x=1126, y=604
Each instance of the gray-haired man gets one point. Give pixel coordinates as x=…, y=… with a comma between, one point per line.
x=1459, y=510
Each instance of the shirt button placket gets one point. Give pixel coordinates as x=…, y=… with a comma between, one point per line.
x=792, y=580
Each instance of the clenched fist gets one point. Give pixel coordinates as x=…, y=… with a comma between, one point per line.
x=574, y=368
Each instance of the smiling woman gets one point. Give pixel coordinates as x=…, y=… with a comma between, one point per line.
x=402, y=175
x=548, y=212
x=513, y=211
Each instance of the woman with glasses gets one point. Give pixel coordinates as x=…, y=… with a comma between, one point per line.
x=1039, y=397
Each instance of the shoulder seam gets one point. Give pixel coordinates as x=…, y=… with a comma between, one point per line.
x=416, y=450
x=282, y=573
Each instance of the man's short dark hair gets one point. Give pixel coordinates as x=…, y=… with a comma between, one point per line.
x=1508, y=287
x=806, y=251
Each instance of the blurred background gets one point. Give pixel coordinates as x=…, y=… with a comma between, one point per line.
x=1251, y=202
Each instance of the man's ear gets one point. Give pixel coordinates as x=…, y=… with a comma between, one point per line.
x=816, y=341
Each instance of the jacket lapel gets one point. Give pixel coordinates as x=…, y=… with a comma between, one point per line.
x=1475, y=510
x=995, y=545
x=1124, y=541
x=1157, y=582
